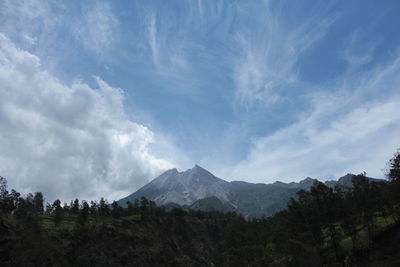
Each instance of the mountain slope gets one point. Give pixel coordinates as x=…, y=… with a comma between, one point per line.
x=197, y=188
x=182, y=188
x=257, y=200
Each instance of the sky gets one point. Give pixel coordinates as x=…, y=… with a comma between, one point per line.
x=99, y=97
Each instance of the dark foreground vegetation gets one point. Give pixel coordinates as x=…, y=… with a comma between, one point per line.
x=357, y=226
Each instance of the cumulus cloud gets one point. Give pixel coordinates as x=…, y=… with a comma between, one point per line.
x=342, y=133
x=68, y=140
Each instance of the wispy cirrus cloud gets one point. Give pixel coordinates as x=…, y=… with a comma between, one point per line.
x=152, y=38
x=166, y=53
x=27, y=19
x=270, y=49
x=342, y=132
x=357, y=54
x=97, y=27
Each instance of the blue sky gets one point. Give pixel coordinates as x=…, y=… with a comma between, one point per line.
x=251, y=90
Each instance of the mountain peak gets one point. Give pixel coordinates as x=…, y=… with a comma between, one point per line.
x=308, y=182
x=197, y=169
x=309, y=179
x=171, y=171
x=183, y=188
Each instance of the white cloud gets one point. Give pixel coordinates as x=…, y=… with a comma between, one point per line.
x=26, y=19
x=167, y=51
x=30, y=40
x=270, y=52
x=342, y=133
x=68, y=141
x=355, y=56
x=152, y=38
x=25, y=9
x=96, y=30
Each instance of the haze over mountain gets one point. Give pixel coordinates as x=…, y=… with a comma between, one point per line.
x=197, y=188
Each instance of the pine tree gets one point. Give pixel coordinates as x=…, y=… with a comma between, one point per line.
x=57, y=212
x=75, y=206
x=394, y=168
x=38, y=205
x=83, y=214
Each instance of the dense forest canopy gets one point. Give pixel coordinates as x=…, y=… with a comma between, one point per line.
x=341, y=226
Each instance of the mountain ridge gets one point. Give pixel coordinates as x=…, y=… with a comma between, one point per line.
x=182, y=188
x=250, y=199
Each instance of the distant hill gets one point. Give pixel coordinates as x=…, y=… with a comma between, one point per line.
x=197, y=188
x=347, y=181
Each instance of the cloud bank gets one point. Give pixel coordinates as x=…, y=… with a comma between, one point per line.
x=68, y=140
x=354, y=127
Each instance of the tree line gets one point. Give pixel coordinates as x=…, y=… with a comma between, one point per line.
x=323, y=226
x=14, y=204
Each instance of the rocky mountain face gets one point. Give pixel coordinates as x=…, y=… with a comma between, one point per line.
x=197, y=188
x=183, y=188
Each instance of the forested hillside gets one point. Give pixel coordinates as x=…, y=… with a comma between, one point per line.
x=340, y=226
